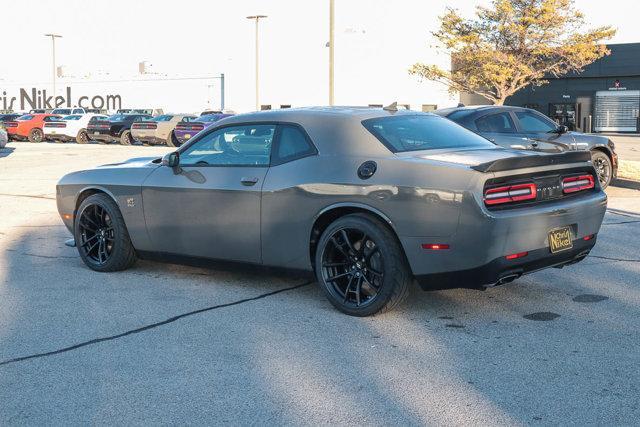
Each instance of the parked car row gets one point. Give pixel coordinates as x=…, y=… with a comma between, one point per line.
x=511, y=127
x=125, y=127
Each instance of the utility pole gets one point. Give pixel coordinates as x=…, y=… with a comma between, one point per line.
x=222, y=92
x=53, y=55
x=257, y=19
x=331, y=45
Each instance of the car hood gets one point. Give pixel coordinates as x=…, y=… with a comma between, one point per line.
x=136, y=162
x=587, y=141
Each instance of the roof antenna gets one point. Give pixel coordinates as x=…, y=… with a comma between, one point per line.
x=391, y=107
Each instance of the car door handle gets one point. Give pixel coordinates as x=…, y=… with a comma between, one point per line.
x=248, y=181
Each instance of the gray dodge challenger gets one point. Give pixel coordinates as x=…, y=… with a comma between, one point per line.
x=367, y=199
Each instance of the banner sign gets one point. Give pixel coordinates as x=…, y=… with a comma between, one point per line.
x=35, y=98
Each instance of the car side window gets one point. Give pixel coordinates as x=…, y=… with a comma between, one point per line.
x=243, y=145
x=497, y=123
x=530, y=122
x=293, y=144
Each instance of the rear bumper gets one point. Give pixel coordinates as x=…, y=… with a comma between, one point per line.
x=483, y=236
x=182, y=137
x=103, y=136
x=502, y=270
x=147, y=138
x=57, y=136
x=16, y=132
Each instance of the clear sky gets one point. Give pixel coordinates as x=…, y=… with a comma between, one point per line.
x=376, y=41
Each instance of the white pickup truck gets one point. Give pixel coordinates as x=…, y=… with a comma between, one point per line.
x=69, y=128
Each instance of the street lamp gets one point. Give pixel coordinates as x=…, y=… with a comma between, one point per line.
x=53, y=55
x=257, y=19
x=331, y=45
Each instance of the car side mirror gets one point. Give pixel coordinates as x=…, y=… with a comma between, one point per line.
x=562, y=129
x=171, y=160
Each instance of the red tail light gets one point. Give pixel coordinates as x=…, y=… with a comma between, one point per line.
x=11, y=124
x=574, y=184
x=144, y=126
x=510, y=193
x=516, y=256
x=190, y=127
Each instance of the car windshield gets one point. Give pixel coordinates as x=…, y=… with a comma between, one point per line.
x=25, y=117
x=62, y=111
x=422, y=132
x=118, y=117
x=162, y=118
x=458, y=115
x=74, y=117
x=210, y=118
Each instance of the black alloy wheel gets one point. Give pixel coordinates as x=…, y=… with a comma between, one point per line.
x=101, y=235
x=126, y=138
x=352, y=267
x=361, y=266
x=602, y=164
x=36, y=135
x=97, y=235
x=172, y=141
x=82, y=137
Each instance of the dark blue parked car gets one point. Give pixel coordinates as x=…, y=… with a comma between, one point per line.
x=526, y=129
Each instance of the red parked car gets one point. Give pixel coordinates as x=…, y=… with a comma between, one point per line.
x=29, y=126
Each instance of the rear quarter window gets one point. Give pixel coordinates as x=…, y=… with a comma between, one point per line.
x=422, y=132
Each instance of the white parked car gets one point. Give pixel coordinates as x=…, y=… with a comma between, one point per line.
x=3, y=138
x=68, y=111
x=69, y=128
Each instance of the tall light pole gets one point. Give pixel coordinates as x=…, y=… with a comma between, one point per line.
x=257, y=19
x=53, y=56
x=331, y=43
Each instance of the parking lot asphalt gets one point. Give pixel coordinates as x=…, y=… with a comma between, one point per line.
x=80, y=347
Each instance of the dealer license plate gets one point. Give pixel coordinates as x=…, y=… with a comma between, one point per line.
x=560, y=239
x=96, y=133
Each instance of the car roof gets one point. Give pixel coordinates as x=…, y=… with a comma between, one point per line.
x=334, y=130
x=479, y=108
x=327, y=113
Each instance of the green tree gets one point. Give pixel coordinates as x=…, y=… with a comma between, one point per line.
x=513, y=44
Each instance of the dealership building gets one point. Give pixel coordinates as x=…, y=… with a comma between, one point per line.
x=605, y=97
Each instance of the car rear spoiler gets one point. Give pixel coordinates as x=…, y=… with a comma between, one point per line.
x=533, y=161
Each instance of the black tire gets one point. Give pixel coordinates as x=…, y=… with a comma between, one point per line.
x=126, y=138
x=604, y=169
x=172, y=141
x=101, y=235
x=82, y=137
x=36, y=135
x=370, y=273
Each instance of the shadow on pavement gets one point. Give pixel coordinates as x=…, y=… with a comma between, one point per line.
x=6, y=151
x=626, y=183
x=444, y=357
